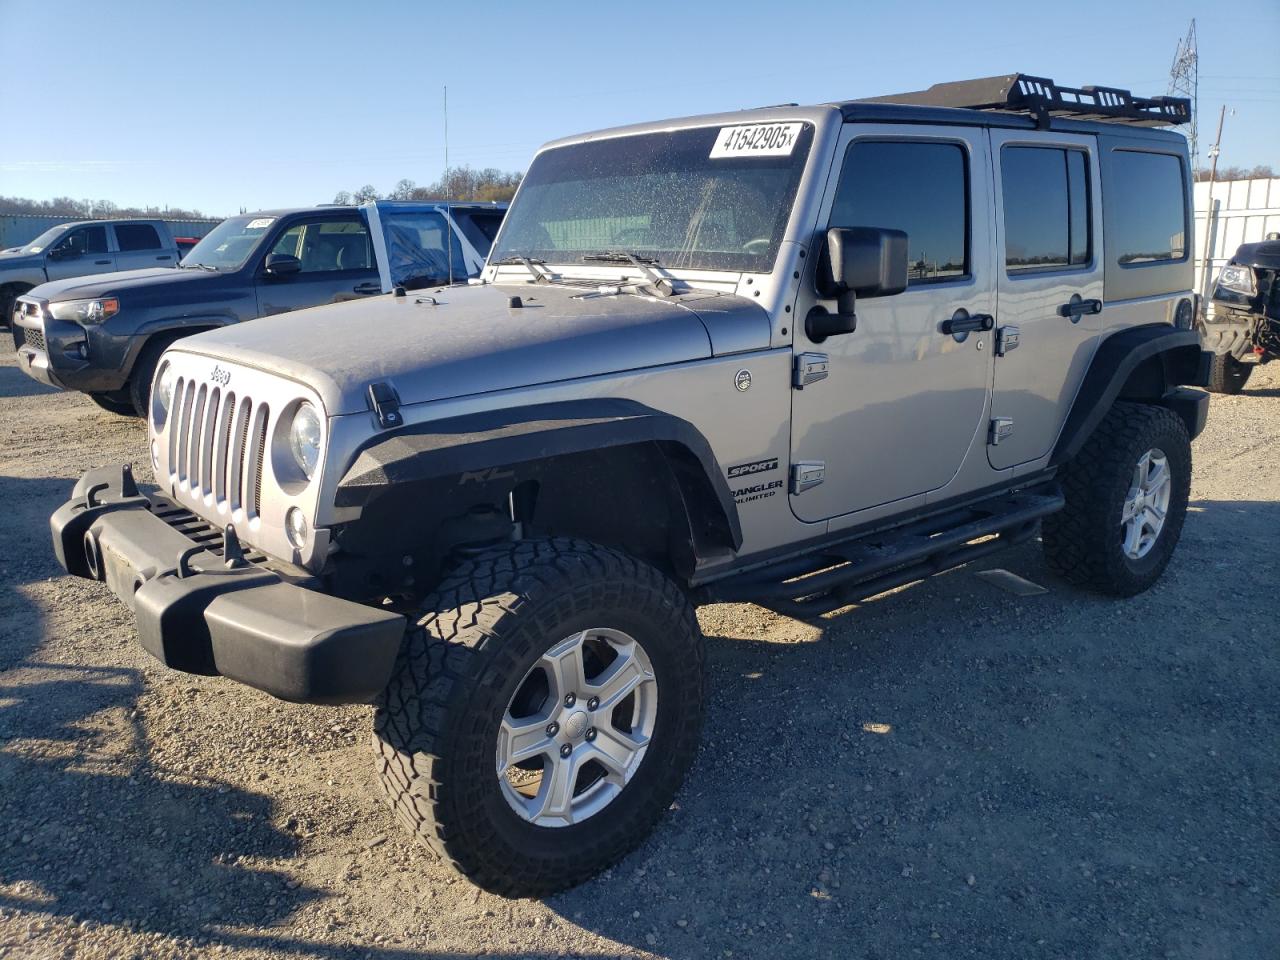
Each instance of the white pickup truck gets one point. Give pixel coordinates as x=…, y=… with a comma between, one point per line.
x=81, y=248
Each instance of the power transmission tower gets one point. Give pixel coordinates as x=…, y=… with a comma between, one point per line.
x=1184, y=81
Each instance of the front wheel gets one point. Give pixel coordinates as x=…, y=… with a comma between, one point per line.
x=1126, y=493
x=1227, y=374
x=542, y=714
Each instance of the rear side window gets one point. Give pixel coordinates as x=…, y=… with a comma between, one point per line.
x=137, y=236
x=1150, y=207
x=1046, y=208
x=921, y=188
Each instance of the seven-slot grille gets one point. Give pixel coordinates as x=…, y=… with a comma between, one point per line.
x=217, y=443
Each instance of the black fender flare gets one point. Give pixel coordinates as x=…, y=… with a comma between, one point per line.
x=1149, y=363
x=475, y=444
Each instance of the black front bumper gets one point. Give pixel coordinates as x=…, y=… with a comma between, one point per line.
x=200, y=613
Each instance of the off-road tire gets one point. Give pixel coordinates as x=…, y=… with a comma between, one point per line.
x=1227, y=374
x=1083, y=543
x=436, y=724
x=112, y=403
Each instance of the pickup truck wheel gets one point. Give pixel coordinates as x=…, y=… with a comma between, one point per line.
x=1227, y=374
x=1126, y=493
x=542, y=713
x=113, y=404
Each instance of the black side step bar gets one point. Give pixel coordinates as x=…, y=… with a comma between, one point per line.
x=846, y=572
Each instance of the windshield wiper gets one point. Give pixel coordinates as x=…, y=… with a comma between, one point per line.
x=662, y=284
x=198, y=266
x=538, y=268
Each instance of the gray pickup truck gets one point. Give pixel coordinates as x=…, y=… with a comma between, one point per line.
x=82, y=248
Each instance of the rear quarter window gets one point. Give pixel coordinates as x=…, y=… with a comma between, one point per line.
x=1146, y=215
x=1149, y=197
x=137, y=236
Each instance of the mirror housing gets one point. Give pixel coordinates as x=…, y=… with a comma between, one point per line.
x=855, y=262
x=282, y=265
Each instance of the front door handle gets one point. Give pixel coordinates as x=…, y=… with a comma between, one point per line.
x=1077, y=308
x=963, y=322
x=165, y=257
x=101, y=263
x=369, y=286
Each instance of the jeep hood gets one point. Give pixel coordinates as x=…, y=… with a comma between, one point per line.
x=471, y=340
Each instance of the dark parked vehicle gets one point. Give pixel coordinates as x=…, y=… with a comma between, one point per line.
x=1244, y=329
x=104, y=334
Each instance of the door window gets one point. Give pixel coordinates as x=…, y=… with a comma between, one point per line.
x=1046, y=208
x=327, y=246
x=84, y=240
x=137, y=236
x=416, y=249
x=918, y=187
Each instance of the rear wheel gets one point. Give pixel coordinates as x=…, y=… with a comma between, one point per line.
x=542, y=713
x=1228, y=375
x=1126, y=493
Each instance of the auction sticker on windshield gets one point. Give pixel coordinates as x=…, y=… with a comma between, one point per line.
x=260, y=223
x=756, y=140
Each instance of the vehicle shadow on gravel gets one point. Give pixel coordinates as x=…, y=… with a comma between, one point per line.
x=15, y=383
x=959, y=770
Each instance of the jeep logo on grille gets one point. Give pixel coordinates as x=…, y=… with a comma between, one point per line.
x=220, y=376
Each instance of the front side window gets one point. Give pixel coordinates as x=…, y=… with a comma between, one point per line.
x=1149, y=200
x=710, y=198
x=1046, y=208
x=137, y=236
x=917, y=187
x=327, y=246
x=85, y=240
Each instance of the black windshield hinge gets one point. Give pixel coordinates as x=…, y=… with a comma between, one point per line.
x=385, y=403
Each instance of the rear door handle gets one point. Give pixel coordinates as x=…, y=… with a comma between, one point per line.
x=165, y=257
x=101, y=263
x=964, y=322
x=1077, y=308
x=369, y=286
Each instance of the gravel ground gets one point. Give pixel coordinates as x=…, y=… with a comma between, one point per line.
x=950, y=771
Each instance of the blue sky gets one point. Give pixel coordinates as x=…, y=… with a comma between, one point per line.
x=250, y=104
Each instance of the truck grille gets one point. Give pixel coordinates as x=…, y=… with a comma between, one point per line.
x=31, y=337
x=217, y=442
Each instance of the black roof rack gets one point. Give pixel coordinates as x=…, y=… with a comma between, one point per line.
x=1044, y=99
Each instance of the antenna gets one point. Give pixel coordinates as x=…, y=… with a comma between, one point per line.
x=448, y=188
x=1184, y=80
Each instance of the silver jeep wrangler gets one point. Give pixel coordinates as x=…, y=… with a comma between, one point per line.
x=796, y=356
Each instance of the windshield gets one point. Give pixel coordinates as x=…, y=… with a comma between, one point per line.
x=710, y=198
x=228, y=245
x=43, y=241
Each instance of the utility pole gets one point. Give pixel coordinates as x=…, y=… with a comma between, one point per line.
x=1208, y=213
x=448, y=189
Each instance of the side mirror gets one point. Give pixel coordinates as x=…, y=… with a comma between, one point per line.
x=855, y=262
x=282, y=265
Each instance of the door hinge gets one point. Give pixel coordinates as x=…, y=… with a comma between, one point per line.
x=809, y=368
x=807, y=474
x=1006, y=339
x=1001, y=429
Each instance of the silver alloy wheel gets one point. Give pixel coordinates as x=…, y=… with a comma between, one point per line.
x=577, y=728
x=1146, y=504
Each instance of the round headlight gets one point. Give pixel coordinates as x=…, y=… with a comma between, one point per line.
x=295, y=526
x=164, y=387
x=304, y=438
